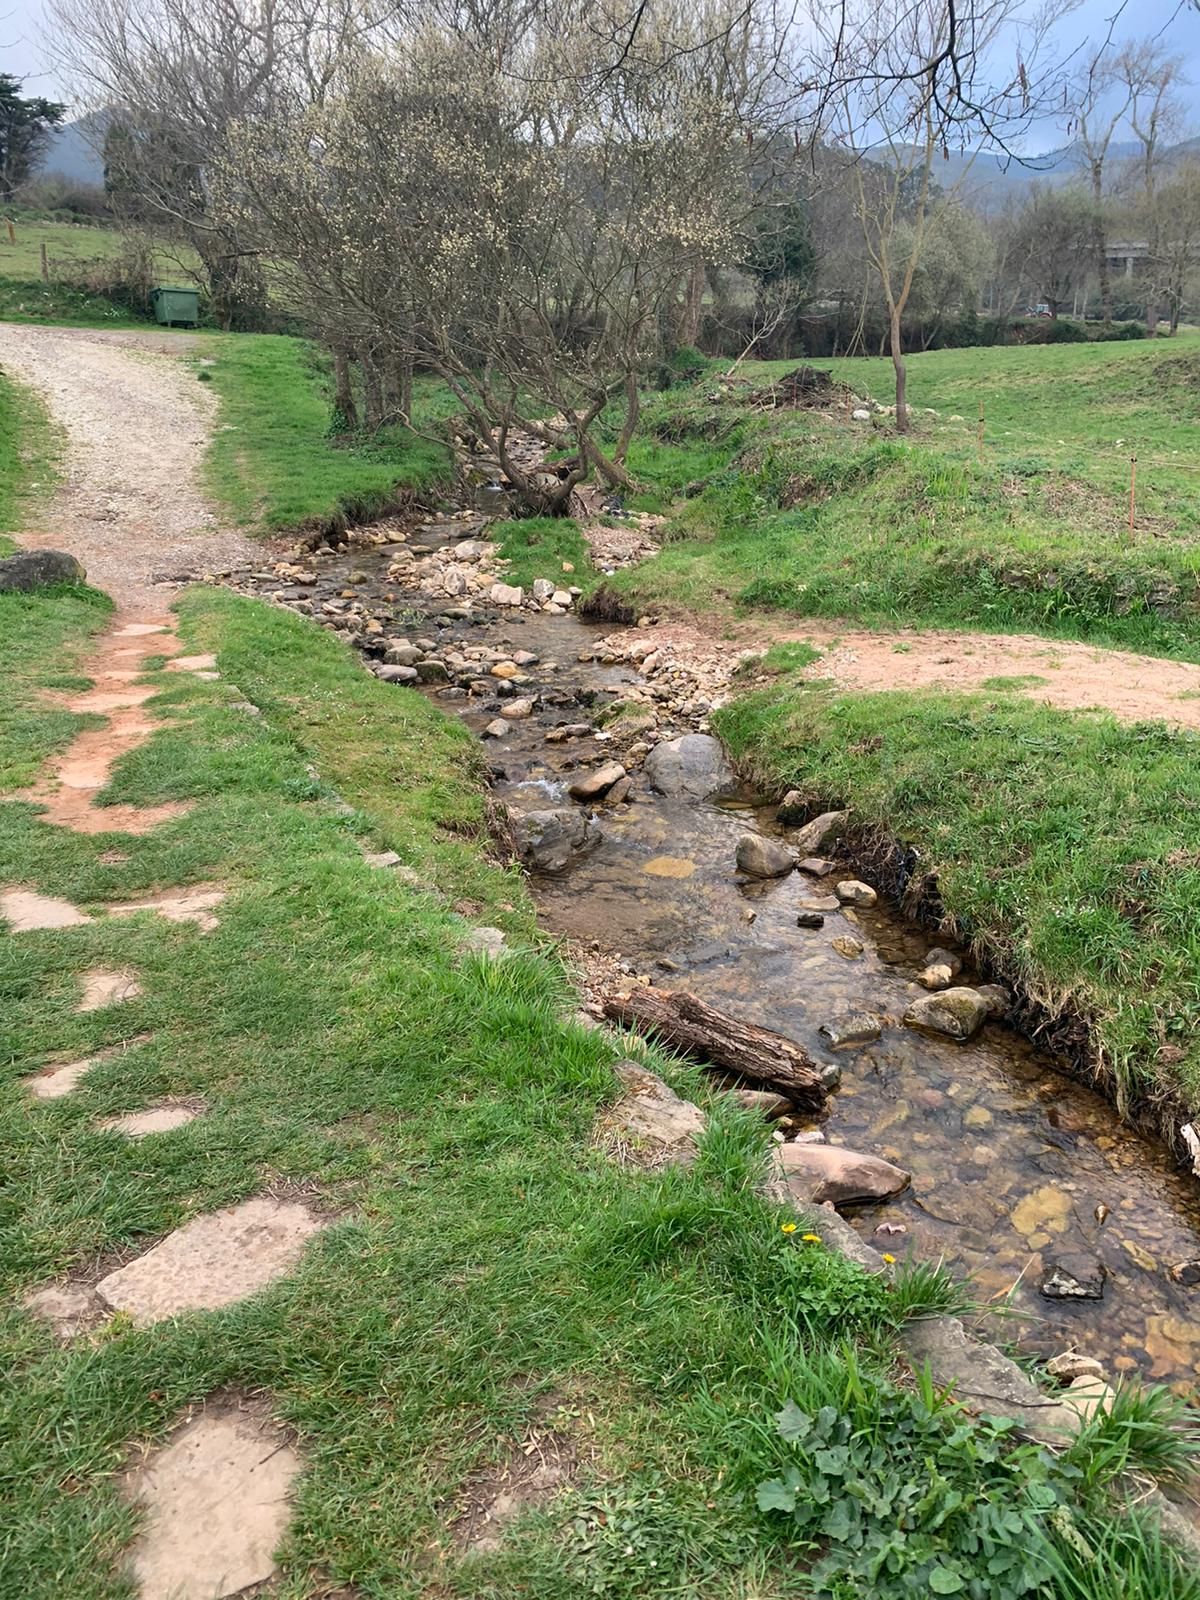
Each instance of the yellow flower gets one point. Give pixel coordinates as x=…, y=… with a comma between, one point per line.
x=787, y=1227
x=891, y=1260
x=811, y=1238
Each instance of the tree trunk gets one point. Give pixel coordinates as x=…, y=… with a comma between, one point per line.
x=687, y=1024
x=1102, y=248
x=633, y=406
x=372, y=387
x=693, y=307
x=343, y=393
x=901, y=373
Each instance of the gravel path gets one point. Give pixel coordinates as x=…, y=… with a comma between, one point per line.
x=129, y=505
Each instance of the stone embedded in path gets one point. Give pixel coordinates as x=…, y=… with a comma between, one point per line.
x=69, y=1308
x=194, y=904
x=154, y=1119
x=54, y=1082
x=212, y=1261
x=102, y=988
x=215, y=1506
x=25, y=910
x=137, y=630
x=820, y=1172
x=202, y=663
x=661, y=1128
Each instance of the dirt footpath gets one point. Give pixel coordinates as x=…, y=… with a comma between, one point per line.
x=1058, y=672
x=129, y=504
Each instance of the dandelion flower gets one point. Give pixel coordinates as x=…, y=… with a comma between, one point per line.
x=811, y=1238
x=787, y=1227
x=891, y=1260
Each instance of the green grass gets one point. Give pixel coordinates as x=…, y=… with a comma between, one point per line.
x=791, y=512
x=537, y=547
x=1066, y=844
x=274, y=461
x=68, y=244
x=28, y=451
x=489, y=1265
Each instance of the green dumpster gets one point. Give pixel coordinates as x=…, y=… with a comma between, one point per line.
x=173, y=307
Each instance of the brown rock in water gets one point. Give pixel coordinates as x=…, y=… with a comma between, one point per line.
x=816, y=866
x=956, y=1013
x=847, y=945
x=851, y=892
x=765, y=1102
x=763, y=858
x=818, y=1172
x=862, y=1029
x=593, y=785
x=810, y=838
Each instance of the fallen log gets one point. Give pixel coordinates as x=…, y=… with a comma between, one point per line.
x=687, y=1024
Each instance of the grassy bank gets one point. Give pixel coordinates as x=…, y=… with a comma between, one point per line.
x=811, y=514
x=275, y=461
x=1065, y=844
x=492, y=1278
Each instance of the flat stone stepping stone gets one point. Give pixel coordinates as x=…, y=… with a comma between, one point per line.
x=54, y=1082
x=101, y=988
x=177, y=905
x=215, y=1503
x=212, y=1261
x=154, y=1119
x=25, y=910
x=192, y=663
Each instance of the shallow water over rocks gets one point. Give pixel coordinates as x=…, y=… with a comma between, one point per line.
x=1016, y=1168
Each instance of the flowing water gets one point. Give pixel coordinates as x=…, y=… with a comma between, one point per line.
x=1013, y=1163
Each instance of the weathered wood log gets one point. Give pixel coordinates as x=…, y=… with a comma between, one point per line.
x=684, y=1022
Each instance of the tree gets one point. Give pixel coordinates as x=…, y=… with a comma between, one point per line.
x=25, y=126
x=918, y=75
x=526, y=231
x=171, y=77
x=1178, y=257
x=1053, y=237
x=1152, y=80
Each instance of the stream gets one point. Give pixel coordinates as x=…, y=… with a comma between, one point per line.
x=1014, y=1164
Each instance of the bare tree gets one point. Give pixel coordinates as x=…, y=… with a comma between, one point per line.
x=526, y=233
x=170, y=77
x=1152, y=80
x=917, y=75
x=1053, y=237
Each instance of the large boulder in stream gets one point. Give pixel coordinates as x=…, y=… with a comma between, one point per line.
x=955, y=1013
x=690, y=768
x=38, y=569
x=763, y=858
x=813, y=1173
x=548, y=841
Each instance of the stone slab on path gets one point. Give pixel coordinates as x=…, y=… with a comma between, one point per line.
x=163, y=1118
x=51, y=1083
x=103, y=988
x=212, y=1261
x=26, y=911
x=215, y=1502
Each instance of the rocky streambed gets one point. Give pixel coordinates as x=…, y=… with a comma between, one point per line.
x=648, y=855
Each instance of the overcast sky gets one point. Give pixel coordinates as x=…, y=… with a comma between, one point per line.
x=1176, y=22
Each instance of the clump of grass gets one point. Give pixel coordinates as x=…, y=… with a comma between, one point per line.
x=538, y=547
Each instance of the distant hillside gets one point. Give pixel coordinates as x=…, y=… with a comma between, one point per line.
x=990, y=181
x=72, y=151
